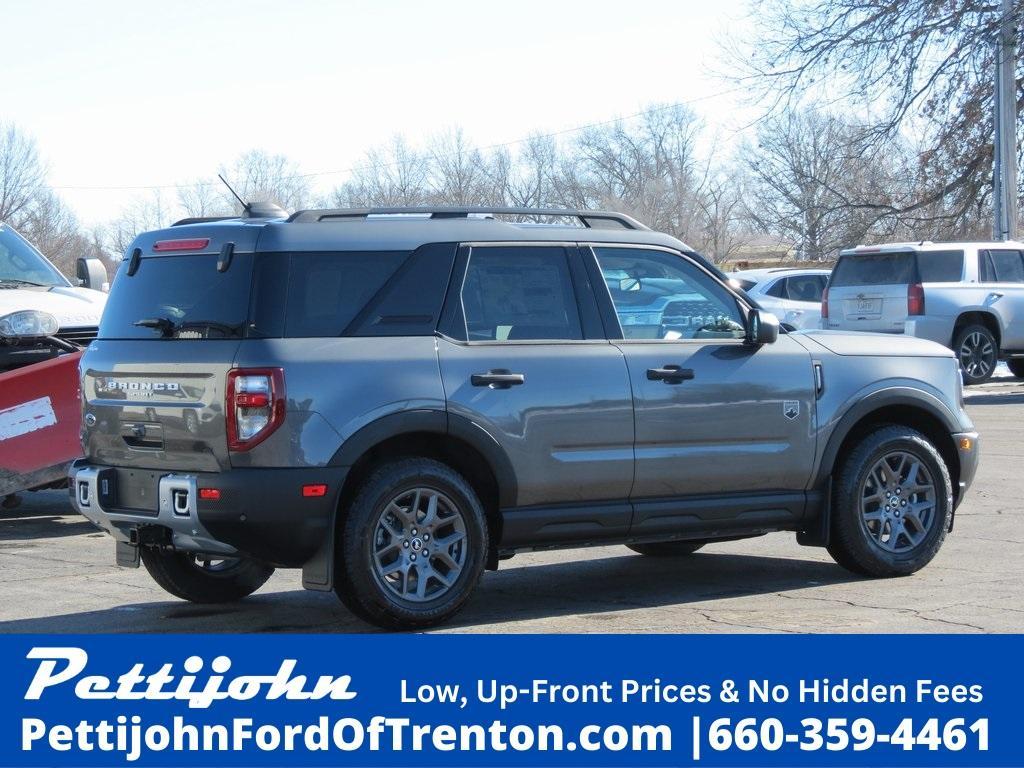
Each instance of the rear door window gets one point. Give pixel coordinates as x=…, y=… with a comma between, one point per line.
x=806, y=288
x=940, y=266
x=519, y=293
x=1002, y=266
x=874, y=269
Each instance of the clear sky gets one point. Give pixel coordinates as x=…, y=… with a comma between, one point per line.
x=133, y=93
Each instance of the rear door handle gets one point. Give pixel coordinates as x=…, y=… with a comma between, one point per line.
x=670, y=374
x=500, y=378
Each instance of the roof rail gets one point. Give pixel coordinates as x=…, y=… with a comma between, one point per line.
x=589, y=219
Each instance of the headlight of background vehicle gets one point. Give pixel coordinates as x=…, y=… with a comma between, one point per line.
x=28, y=323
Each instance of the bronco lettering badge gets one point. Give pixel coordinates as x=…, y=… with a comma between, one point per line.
x=138, y=389
x=791, y=409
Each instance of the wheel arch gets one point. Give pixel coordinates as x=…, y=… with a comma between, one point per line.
x=982, y=317
x=449, y=438
x=904, y=407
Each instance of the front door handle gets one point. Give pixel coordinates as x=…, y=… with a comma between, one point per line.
x=499, y=378
x=670, y=374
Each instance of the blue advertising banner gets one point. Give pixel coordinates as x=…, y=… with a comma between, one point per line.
x=167, y=700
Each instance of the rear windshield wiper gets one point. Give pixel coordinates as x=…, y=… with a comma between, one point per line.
x=165, y=325
x=168, y=327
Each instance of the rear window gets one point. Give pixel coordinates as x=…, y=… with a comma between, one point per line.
x=273, y=295
x=874, y=269
x=179, y=297
x=940, y=266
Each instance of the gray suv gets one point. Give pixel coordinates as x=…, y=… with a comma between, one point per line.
x=395, y=400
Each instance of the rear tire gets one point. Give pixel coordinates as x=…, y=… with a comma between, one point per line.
x=891, y=504
x=1016, y=367
x=184, y=575
x=413, y=545
x=978, y=351
x=668, y=548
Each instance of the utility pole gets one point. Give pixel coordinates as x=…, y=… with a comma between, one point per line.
x=1005, y=122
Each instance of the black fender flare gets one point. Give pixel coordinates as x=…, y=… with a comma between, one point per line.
x=884, y=398
x=441, y=423
x=318, y=572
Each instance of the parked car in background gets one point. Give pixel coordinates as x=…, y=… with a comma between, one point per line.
x=792, y=295
x=966, y=296
x=42, y=315
x=41, y=312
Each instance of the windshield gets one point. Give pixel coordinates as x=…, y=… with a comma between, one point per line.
x=21, y=263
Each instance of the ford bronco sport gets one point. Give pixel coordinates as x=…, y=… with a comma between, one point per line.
x=394, y=400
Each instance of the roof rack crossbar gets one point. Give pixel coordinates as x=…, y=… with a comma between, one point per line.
x=589, y=219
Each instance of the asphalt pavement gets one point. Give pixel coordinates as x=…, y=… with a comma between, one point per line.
x=57, y=574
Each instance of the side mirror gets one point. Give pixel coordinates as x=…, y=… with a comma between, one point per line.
x=762, y=327
x=92, y=274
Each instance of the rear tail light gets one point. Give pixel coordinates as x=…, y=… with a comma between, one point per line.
x=915, y=299
x=254, y=406
x=824, y=304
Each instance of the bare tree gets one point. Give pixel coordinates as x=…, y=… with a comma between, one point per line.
x=142, y=215
x=458, y=171
x=648, y=168
x=920, y=64
x=205, y=198
x=262, y=177
x=22, y=173
x=395, y=175
x=721, y=220
x=814, y=181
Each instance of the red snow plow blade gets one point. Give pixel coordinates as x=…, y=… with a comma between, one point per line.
x=40, y=411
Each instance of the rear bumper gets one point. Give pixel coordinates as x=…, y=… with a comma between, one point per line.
x=261, y=513
x=937, y=329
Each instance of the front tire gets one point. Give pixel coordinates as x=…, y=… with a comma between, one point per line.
x=202, y=578
x=668, y=548
x=978, y=351
x=413, y=545
x=891, y=505
x=1016, y=367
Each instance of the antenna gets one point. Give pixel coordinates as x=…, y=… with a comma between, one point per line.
x=245, y=205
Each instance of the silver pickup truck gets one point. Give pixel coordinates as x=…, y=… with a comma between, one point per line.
x=967, y=296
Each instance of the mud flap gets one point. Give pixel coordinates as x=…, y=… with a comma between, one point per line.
x=318, y=572
x=126, y=555
x=817, y=533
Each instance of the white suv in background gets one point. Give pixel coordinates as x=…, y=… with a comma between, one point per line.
x=966, y=296
x=792, y=295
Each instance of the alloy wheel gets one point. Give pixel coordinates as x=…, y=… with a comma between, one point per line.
x=977, y=355
x=898, y=502
x=419, y=545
